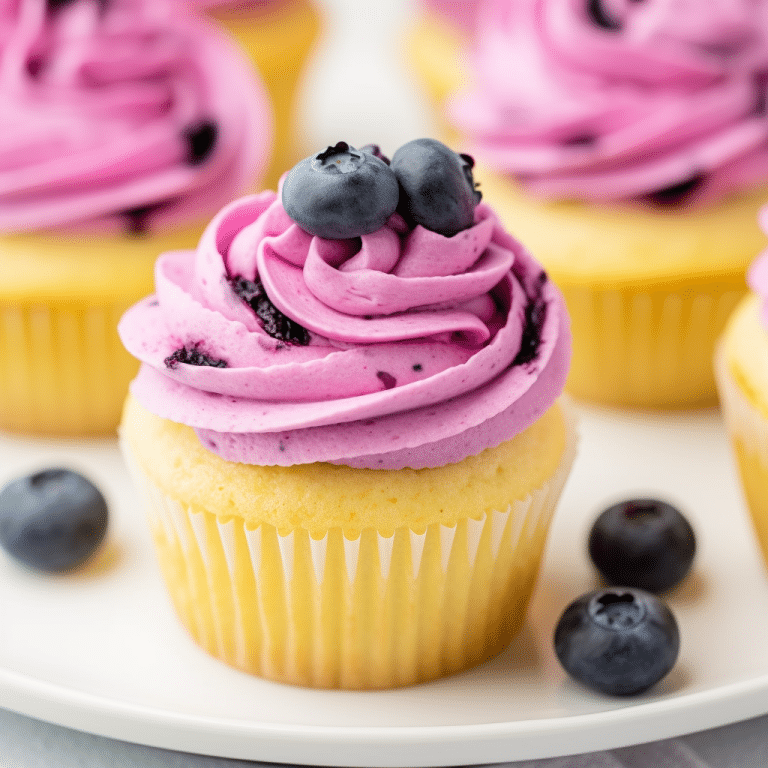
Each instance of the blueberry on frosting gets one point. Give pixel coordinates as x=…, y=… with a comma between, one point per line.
x=340, y=193
x=437, y=189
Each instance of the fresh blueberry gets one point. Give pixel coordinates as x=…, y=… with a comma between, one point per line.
x=53, y=520
x=437, y=189
x=340, y=193
x=643, y=543
x=617, y=641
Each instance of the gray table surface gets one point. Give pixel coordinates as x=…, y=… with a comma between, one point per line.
x=29, y=743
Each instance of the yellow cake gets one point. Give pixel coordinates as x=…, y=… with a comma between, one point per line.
x=335, y=577
x=742, y=376
x=436, y=50
x=99, y=175
x=648, y=291
x=279, y=36
x=350, y=447
x=614, y=144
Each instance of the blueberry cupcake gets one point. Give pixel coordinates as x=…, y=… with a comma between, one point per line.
x=741, y=366
x=626, y=144
x=347, y=427
x=279, y=36
x=126, y=126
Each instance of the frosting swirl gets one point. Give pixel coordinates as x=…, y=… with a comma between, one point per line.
x=619, y=99
x=400, y=348
x=122, y=115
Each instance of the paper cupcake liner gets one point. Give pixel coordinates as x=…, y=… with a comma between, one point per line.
x=372, y=612
x=64, y=369
x=748, y=431
x=646, y=349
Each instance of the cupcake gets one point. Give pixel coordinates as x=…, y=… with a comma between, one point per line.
x=350, y=443
x=127, y=125
x=279, y=36
x=436, y=43
x=741, y=368
x=626, y=144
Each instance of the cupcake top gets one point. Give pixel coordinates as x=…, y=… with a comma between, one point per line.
x=123, y=116
x=659, y=100
x=398, y=346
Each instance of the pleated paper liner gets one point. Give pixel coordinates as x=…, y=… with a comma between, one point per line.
x=64, y=370
x=748, y=432
x=371, y=612
x=646, y=348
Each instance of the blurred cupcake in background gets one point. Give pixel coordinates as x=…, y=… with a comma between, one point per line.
x=279, y=36
x=741, y=367
x=125, y=125
x=627, y=145
x=437, y=43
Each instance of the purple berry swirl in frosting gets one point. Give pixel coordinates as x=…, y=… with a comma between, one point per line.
x=399, y=348
x=660, y=100
x=123, y=116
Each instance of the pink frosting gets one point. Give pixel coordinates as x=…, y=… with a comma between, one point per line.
x=99, y=101
x=621, y=99
x=422, y=349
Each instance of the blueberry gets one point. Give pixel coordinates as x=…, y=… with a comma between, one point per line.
x=437, y=189
x=340, y=193
x=643, y=543
x=618, y=641
x=53, y=520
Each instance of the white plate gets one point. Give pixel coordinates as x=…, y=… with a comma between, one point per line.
x=102, y=652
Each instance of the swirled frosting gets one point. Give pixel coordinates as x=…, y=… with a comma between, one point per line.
x=122, y=115
x=400, y=348
x=621, y=99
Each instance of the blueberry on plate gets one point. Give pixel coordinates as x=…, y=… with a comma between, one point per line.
x=437, y=189
x=643, y=543
x=52, y=520
x=341, y=192
x=617, y=641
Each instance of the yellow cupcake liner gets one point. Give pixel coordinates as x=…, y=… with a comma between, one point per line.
x=647, y=347
x=748, y=432
x=371, y=612
x=64, y=369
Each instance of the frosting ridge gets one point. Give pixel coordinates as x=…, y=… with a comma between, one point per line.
x=419, y=349
x=620, y=100
x=126, y=115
